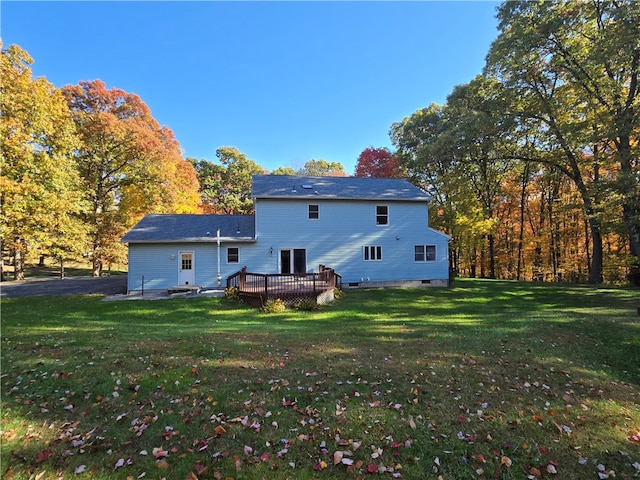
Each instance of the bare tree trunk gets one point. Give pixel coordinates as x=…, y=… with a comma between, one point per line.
x=492, y=256
x=523, y=192
x=96, y=268
x=595, y=273
x=18, y=261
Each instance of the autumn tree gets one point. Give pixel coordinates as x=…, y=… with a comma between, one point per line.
x=576, y=66
x=428, y=163
x=322, y=168
x=225, y=187
x=39, y=197
x=478, y=135
x=129, y=165
x=283, y=171
x=378, y=163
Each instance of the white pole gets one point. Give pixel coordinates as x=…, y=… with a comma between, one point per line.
x=218, y=240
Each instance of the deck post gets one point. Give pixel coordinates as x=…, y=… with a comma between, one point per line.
x=243, y=278
x=266, y=285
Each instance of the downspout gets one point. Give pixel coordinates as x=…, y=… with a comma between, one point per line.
x=219, y=277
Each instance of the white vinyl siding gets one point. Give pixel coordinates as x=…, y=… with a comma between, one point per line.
x=337, y=239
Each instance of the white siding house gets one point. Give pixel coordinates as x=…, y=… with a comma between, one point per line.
x=373, y=232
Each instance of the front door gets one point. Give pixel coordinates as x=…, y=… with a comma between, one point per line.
x=186, y=270
x=293, y=260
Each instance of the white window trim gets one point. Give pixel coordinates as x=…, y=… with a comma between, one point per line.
x=368, y=249
x=376, y=216
x=233, y=263
x=426, y=260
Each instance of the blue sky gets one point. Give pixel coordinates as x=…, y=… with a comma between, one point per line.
x=284, y=82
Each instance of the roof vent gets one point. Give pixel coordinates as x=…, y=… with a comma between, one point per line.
x=293, y=189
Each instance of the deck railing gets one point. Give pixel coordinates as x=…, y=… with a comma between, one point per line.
x=274, y=284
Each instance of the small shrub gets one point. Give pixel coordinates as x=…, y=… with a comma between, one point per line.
x=338, y=294
x=308, y=305
x=274, y=306
x=232, y=293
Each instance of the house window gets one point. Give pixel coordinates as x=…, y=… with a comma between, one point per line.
x=382, y=215
x=372, y=252
x=233, y=255
x=314, y=212
x=425, y=253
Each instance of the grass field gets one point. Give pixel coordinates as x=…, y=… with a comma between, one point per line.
x=482, y=380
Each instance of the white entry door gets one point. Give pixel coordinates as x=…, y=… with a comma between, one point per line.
x=186, y=268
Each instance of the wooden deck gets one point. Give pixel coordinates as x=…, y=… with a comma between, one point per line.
x=257, y=288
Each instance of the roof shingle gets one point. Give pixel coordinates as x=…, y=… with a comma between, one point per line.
x=191, y=228
x=344, y=188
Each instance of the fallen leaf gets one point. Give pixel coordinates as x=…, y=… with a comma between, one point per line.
x=43, y=455
x=200, y=467
x=634, y=437
x=412, y=422
x=535, y=472
x=159, y=452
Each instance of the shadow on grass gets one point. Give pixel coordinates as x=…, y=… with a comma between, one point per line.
x=526, y=351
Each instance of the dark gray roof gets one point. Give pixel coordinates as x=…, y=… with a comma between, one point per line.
x=345, y=188
x=191, y=228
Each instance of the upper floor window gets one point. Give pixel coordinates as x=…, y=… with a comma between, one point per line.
x=373, y=252
x=233, y=255
x=425, y=253
x=382, y=215
x=314, y=212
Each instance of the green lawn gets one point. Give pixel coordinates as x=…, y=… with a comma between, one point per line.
x=485, y=379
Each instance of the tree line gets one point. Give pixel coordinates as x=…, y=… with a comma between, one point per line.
x=533, y=166
x=81, y=164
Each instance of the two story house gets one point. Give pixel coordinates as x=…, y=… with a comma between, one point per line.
x=373, y=232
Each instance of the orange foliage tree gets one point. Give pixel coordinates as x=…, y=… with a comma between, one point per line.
x=129, y=165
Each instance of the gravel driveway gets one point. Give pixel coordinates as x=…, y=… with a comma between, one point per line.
x=116, y=284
